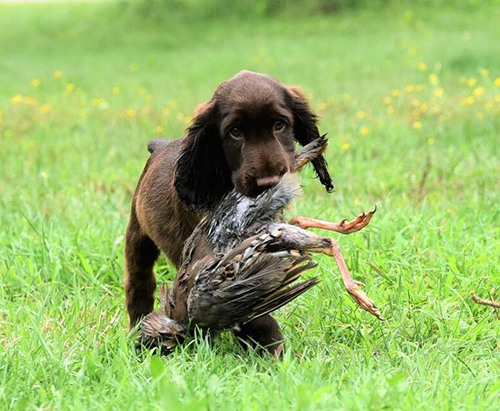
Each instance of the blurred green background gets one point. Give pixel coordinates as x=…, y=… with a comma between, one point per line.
x=409, y=94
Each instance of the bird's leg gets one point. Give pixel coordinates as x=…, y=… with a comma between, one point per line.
x=293, y=237
x=343, y=227
x=352, y=286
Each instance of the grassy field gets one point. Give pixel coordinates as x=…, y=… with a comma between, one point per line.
x=411, y=101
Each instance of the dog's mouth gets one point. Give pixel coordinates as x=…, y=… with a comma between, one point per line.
x=251, y=187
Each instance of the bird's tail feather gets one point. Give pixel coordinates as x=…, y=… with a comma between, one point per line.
x=283, y=297
x=286, y=292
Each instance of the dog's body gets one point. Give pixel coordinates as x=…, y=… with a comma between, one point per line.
x=244, y=138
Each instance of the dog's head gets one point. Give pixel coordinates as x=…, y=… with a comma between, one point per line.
x=244, y=137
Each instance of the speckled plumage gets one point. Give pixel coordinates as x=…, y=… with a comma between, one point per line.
x=233, y=271
x=244, y=260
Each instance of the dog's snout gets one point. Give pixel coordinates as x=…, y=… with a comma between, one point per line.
x=267, y=182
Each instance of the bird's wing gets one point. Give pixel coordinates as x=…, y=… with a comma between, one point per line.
x=260, y=286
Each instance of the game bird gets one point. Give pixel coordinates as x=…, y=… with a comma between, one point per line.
x=243, y=260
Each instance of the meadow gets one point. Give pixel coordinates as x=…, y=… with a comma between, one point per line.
x=410, y=99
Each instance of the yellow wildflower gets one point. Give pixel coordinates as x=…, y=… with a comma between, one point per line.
x=422, y=66
x=433, y=79
x=471, y=82
x=160, y=129
x=98, y=101
x=45, y=108
x=70, y=87
x=419, y=87
x=82, y=113
x=116, y=90
x=185, y=119
x=17, y=99
x=479, y=91
x=488, y=105
x=58, y=74
x=149, y=98
x=30, y=101
x=395, y=92
x=415, y=102
x=416, y=125
x=346, y=146
x=391, y=110
x=479, y=116
x=485, y=72
x=364, y=131
x=409, y=88
x=470, y=100
x=172, y=104
x=141, y=90
x=439, y=92
x=130, y=112
x=387, y=100
x=424, y=107
x=322, y=106
x=360, y=114
x=430, y=141
x=497, y=82
x=497, y=98
x=36, y=82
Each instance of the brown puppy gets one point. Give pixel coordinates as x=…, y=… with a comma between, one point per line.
x=244, y=137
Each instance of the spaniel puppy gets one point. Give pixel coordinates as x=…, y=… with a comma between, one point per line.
x=244, y=137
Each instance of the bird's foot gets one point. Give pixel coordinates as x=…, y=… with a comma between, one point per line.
x=360, y=222
x=353, y=287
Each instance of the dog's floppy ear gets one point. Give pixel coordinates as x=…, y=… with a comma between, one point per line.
x=306, y=130
x=202, y=174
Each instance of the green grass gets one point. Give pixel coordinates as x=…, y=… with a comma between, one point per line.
x=71, y=151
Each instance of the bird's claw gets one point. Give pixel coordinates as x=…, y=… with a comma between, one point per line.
x=357, y=224
x=359, y=283
x=362, y=299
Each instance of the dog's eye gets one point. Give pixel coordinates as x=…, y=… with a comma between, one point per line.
x=235, y=132
x=279, y=125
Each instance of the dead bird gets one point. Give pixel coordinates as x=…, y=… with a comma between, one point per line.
x=243, y=261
